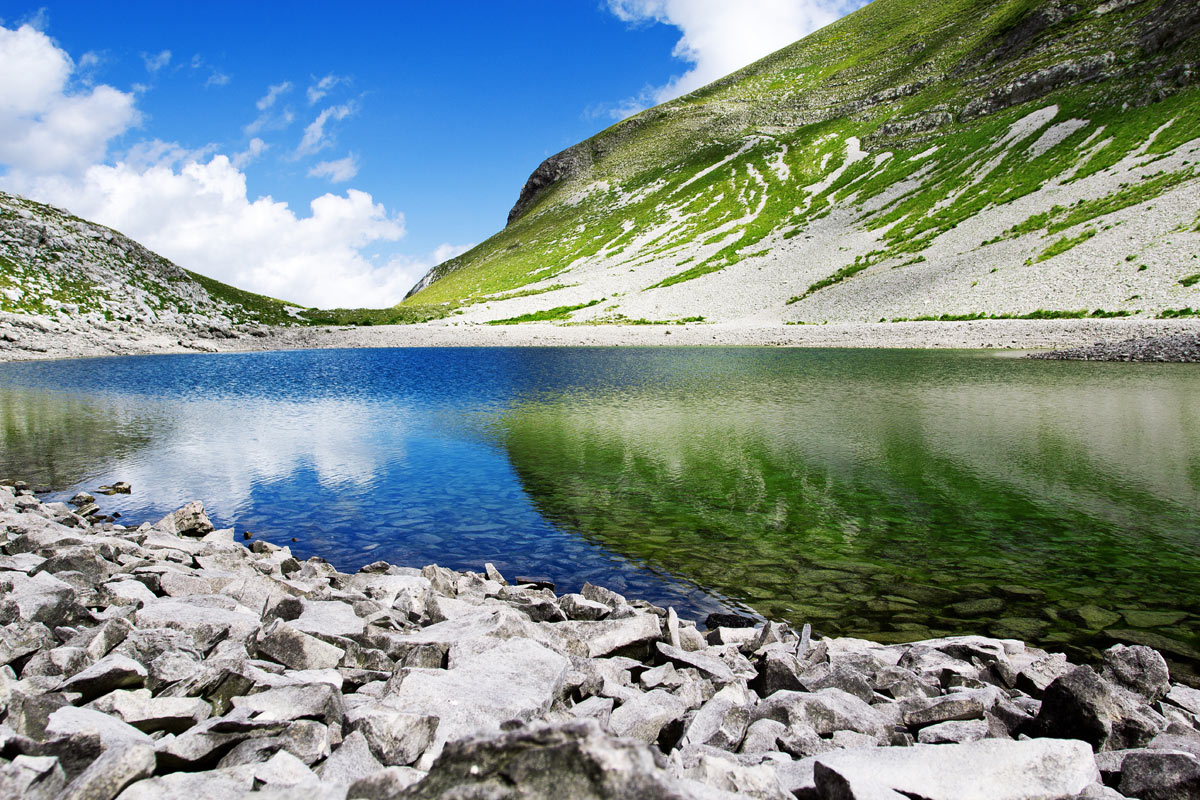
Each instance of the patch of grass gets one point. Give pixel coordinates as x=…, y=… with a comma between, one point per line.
x=1190, y=279
x=398, y=315
x=547, y=315
x=1040, y=313
x=1175, y=313
x=260, y=308
x=525, y=293
x=1065, y=243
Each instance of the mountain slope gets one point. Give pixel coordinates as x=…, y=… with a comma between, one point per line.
x=83, y=275
x=1012, y=157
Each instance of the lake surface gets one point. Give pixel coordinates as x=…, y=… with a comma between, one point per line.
x=891, y=494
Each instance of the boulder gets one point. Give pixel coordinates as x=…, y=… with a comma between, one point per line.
x=574, y=759
x=318, y=701
x=631, y=636
x=993, y=769
x=643, y=717
x=954, y=732
x=223, y=783
x=489, y=681
x=149, y=714
x=576, y=606
x=350, y=762
x=722, y=721
x=109, y=673
x=187, y=521
x=397, y=739
x=115, y=769
x=385, y=784
x=1139, y=669
x=112, y=731
x=824, y=711
x=1082, y=705
x=295, y=649
x=205, y=622
x=1160, y=775
x=32, y=778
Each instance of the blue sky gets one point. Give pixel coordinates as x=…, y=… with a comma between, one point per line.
x=332, y=156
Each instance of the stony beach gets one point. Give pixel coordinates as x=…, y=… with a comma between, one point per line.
x=30, y=337
x=178, y=661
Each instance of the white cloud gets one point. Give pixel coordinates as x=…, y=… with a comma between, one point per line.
x=189, y=205
x=273, y=93
x=338, y=171
x=44, y=126
x=157, y=61
x=720, y=37
x=253, y=150
x=217, y=79
x=315, y=137
x=198, y=215
x=321, y=87
x=445, y=252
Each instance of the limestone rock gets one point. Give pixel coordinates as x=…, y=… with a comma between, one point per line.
x=993, y=769
x=293, y=648
x=395, y=738
x=191, y=520
x=643, y=717
x=575, y=760
x=109, y=673
x=115, y=769
x=1160, y=775
x=1139, y=669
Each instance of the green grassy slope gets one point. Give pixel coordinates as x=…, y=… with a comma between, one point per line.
x=931, y=92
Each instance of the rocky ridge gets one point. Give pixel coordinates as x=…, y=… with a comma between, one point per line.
x=68, y=279
x=173, y=661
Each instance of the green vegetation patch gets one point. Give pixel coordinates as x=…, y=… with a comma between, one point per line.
x=1040, y=313
x=1190, y=279
x=548, y=315
x=1065, y=243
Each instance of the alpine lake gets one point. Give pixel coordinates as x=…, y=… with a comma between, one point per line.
x=888, y=494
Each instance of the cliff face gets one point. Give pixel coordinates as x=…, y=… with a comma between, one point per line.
x=995, y=157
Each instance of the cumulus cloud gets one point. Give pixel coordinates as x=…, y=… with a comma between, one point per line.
x=316, y=138
x=321, y=87
x=338, y=171
x=44, y=125
x=720, y=37
x=156, y=61
x=198, y=215
x=190, y=205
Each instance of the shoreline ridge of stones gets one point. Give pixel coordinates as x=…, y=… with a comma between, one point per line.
x=170, y=661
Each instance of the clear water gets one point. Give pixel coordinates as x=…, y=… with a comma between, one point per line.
x=895, y=494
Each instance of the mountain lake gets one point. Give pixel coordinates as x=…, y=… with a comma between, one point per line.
x=889, y=494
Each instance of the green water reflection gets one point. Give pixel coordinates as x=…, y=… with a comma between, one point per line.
x=899, y=495
x=59, y=440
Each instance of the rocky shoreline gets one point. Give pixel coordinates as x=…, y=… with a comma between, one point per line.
x=1177, y=348
x=171, y=661
x=27, y=337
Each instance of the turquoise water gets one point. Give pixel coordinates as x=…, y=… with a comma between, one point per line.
x=894, y=494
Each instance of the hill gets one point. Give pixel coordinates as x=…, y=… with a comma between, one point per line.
x=964, y=159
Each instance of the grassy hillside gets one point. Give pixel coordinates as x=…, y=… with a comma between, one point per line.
x=912, y=160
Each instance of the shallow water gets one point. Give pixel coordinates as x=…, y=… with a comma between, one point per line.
x=896, y=494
